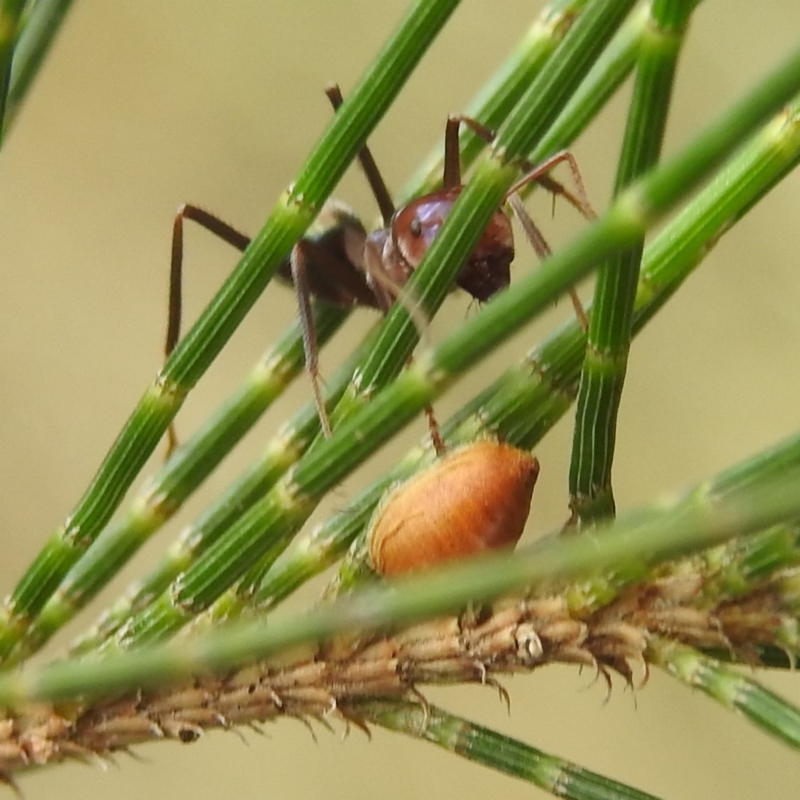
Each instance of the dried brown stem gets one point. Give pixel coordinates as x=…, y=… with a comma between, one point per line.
x=515, y=635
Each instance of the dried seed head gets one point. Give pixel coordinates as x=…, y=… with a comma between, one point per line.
x=474, y=499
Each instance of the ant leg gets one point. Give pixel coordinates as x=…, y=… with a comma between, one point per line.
x=452, y=151
x=298, y=261
x=534, y=236
x=376, y=183
x=385, y=289
x=387, y=292
x=537, y=173
x=433, y=428
x=582, y=203
x=451, y=172
x=579, y=201
x=219, y=228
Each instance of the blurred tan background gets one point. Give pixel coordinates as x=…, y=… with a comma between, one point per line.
x=145, y=105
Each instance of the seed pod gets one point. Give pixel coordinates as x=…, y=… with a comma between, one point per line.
x=474, y=499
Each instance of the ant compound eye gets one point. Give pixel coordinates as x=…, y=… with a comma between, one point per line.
x=415, y=227
x=474, y=499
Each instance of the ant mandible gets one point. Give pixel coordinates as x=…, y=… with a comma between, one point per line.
x=346, y=266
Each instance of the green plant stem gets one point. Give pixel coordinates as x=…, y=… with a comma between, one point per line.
x=632, y=546
x=267, y=528
x=536, y=111
x=601, y=82
x=495, y=101
x=10, y=20
x=487, y=747
x=279, y=454
x=165, y=492
x=192, y=356
x=730, y=688
x=605, y=363
x=41, y=24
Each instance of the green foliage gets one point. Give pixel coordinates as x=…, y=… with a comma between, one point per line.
x=732, y=540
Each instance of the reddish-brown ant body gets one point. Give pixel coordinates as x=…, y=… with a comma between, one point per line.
x=346, y=266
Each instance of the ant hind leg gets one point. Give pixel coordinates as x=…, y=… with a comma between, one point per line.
x=298, y=262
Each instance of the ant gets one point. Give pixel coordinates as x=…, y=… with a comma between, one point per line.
x=346, y=266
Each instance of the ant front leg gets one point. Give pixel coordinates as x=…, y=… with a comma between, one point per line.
x=214, y=225
x=534, y=174
x=386, y=290
x=532, y=233
x=539, y=173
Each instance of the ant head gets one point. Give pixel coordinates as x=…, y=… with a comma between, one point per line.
x=486, y=272
x=415, y=226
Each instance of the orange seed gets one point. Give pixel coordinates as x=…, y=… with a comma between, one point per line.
x=473, y=499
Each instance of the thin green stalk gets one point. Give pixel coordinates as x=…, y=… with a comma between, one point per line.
x=526, y=401
x=484, y=193
x=289, y=219
x=605, y=363
x=10, y=19
x=729, y=687
x=501, y=753
x=164, y=493
x=633, y=546
x=495, y=101
x=599, y=85
x=280, y=453
x=739, y=567
x=41, y=24
x=267, y=528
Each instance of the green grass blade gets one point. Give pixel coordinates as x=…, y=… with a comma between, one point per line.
x=289, y=219
x=41, y=25
x=731, y=689
x=605, y=364
x=629, y=549
x=484, y=193
x=495, y=101
x=484, y=746
x=10, y=20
